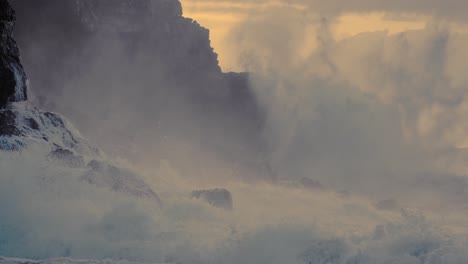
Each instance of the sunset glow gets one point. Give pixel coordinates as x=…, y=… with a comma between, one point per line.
x=223, y=16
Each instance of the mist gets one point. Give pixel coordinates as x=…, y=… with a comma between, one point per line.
x=347, y=150
x=374, y=113
x=148, y=90
x=48, y=212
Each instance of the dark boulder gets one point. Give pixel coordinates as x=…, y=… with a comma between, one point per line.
x=220, y=198
x=13, y=84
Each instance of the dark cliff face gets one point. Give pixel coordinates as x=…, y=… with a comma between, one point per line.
x=65, y=41
x=12, y=77
x=135, y=71
x=126, y=16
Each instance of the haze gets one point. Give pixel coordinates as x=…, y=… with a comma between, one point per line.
x=328, y=132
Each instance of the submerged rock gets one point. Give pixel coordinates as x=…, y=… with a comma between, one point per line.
x=13, y=85
x=220, y=198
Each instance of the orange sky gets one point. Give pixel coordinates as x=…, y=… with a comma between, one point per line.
x=222, y=16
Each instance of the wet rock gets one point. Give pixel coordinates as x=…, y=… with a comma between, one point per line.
x=162, y=55
x=21, y=127
x=220, y=198
x=126, y=15
x=13, y=85
x=8, y=123
x=32, y=123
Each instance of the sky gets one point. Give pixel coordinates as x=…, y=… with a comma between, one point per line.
x=221, y=17
x=349, y=17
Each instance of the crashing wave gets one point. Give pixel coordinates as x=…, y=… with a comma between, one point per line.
x=23, y=128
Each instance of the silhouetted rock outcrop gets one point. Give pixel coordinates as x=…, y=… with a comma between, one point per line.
x=12, y=76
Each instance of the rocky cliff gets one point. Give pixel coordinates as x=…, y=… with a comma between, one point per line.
x=69, y=37
x=25, y=130
x=12, y=77
x=137, y=76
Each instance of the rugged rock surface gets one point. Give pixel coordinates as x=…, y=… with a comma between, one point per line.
x=118, y=65
x=12, y=77
x=126, y=16
x=220, y=198
x=177, y=49
x=24, y=129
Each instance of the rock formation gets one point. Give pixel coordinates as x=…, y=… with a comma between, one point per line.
x=23, y=128
x=177, y=49
x=126, y=16
x=145, y=54
x=117, y=65
x=12, y=77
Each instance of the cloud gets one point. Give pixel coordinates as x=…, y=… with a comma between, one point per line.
x=449, y=10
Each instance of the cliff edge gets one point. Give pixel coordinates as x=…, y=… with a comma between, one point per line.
x=13, y=85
